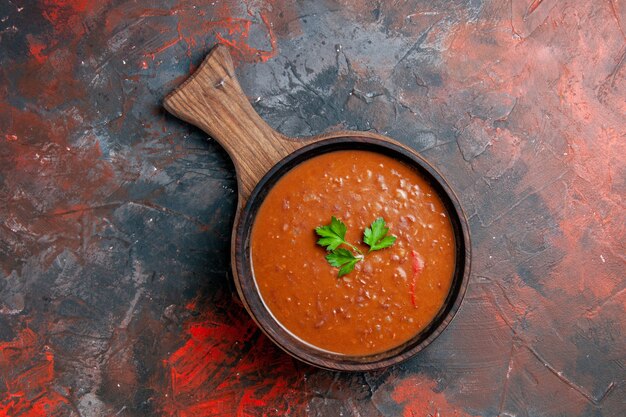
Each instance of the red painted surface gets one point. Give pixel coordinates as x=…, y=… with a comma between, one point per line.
x=43, y=160
x=27, y=370
x=65, y=15
x=224, y=368
x=35, y=48
x=418, y=397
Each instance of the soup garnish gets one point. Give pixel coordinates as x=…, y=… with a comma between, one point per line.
x=333, y=235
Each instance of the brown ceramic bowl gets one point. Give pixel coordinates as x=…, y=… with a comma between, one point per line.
x=305, y=351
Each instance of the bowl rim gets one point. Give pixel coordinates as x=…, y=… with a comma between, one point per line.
x=304, y=351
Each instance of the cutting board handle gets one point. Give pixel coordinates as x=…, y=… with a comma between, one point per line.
x=213, y=100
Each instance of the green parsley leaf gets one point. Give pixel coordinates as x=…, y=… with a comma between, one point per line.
x=342, y=259
x=376, y=237
x=331, y=235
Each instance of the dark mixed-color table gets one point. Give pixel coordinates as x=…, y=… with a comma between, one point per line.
x=115, y=218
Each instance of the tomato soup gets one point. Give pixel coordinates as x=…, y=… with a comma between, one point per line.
x=393, y=293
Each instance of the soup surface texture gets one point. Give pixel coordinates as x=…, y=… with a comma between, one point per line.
x=393, y=293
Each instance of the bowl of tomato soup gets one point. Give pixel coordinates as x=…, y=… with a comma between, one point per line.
x=361, y=305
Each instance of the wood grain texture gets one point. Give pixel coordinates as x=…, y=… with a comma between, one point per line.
x=213, y=100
